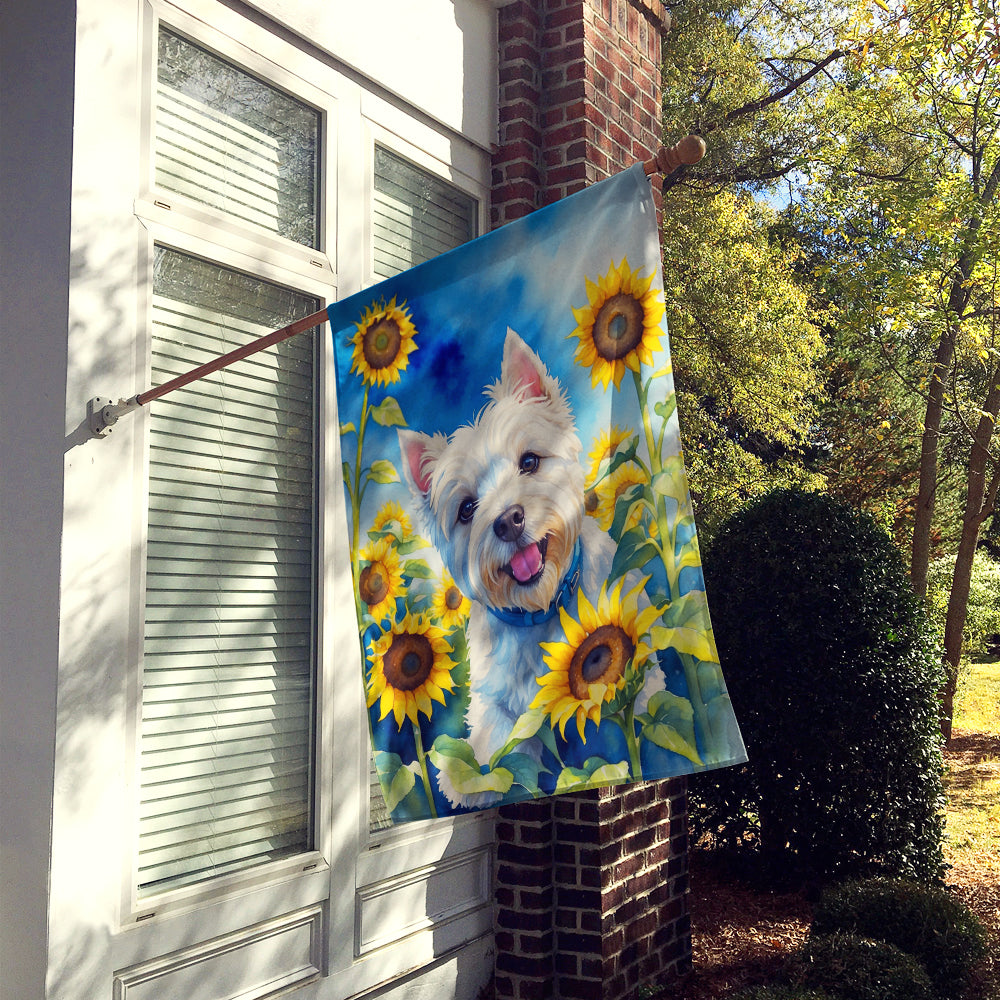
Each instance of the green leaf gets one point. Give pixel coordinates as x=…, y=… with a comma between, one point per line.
x=666, y=485
x=417, y=569
x=347, y=428
x=401, y=785
x=694, y=642
x=635, y=496
x=383, y=471
x=388, y=413
x=666, y=409
x=610, y=774
x=667, y=737
x=524, y=769
x=456, y=759
x=411, y=545
x=634, y=551
x=671, y=724
x=595, y=772
x=571, y=777
x=401, y=777
x=525, y=727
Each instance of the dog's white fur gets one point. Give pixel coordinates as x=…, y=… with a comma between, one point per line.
x=490, y=467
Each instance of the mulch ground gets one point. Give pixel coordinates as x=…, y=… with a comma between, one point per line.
x=742, y=934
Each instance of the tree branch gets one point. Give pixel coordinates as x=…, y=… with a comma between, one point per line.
x=754, y=106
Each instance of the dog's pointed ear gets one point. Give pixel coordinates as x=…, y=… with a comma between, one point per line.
x=419, y=453
x=522, y=370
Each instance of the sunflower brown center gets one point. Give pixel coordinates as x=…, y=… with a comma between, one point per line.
x=591, y=501
x=408, y=661
x=453, y=599
x=600, y=658
x=373, y=585
x=381, y=343
x=618, y=326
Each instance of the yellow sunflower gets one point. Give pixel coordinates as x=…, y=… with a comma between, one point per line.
x=411, y=668
x=600, y=502
x=605, y=446
x=603, y=649
x=383, y=343
x=392, y=516
x=619, y=327
x=380, y=581
x=450, y=606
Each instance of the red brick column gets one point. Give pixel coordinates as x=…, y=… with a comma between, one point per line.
x=591, y=889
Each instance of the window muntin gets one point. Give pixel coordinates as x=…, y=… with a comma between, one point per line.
x=226, y=139
x=228, y=683
x=415, y=216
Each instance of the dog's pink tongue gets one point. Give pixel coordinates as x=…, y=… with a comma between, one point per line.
x=526, y=563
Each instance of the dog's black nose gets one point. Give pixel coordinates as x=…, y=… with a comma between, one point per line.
x=510, y=524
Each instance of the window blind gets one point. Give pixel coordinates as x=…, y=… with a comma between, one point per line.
x=415, y=216
x=228, y=140
x=228, y=652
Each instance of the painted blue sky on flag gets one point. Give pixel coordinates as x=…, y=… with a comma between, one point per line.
x=526, y=571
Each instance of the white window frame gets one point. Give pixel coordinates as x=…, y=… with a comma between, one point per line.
x=351, y=875
x=180, y=224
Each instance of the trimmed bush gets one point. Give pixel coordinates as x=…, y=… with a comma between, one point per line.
x=925, y=922
x=833, y=671
x=782, y=993
x=856, y=968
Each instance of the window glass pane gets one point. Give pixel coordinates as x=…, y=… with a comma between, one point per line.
x=231, y=141
x=416, y=216
x=228, y=656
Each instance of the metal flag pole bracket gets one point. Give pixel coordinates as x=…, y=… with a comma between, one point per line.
x=103, y=413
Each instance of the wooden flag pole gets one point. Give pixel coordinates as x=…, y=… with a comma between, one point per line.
x=687, y=152
x=103, y=413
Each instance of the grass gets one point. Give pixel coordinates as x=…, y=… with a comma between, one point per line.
x=972, y=848
x=978, y=698
x=973, y=784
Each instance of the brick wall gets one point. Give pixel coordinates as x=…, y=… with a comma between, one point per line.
x=591, y=893
x=579, y=96
x=591, y=889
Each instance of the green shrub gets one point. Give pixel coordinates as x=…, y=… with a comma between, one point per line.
x=783, y=993
x=925, y=922
x=856, y=968
x=834, y=673
x=982, y=618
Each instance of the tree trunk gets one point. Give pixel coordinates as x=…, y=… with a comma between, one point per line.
x=979, y=500
x=958, y=299
x=920, y=553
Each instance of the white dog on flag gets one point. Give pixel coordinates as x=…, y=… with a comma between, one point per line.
x=502, y=499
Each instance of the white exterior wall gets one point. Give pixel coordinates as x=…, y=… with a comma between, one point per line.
x=411, y=913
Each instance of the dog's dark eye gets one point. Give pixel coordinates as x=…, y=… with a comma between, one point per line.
x=466, y=509
x=529, y=463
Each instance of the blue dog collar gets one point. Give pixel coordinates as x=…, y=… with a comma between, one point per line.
x=526, y=619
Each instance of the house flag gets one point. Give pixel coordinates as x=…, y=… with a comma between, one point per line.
x=527, y=578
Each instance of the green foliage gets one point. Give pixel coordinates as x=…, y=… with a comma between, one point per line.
x=780, y=992
x=983, y=611
x=833, y=673
x=857, y=968
x=924, y=921
x=747, y=354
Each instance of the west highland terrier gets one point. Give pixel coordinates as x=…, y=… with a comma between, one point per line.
x=502, y=500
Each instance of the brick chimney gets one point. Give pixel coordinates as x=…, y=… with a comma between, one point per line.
x=591, y=889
